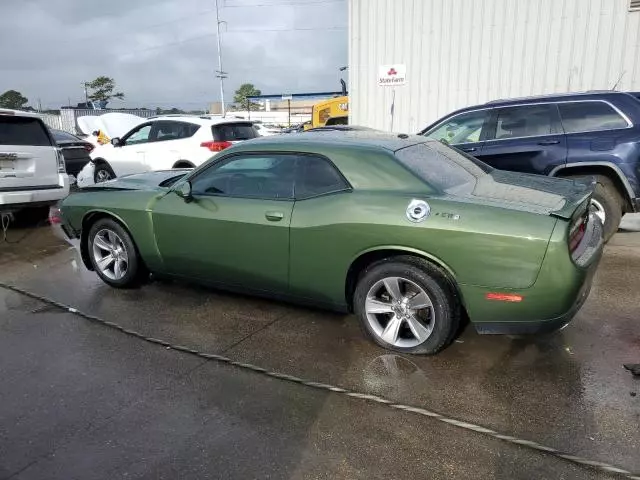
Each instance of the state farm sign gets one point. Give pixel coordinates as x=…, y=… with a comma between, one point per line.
x=392, y=75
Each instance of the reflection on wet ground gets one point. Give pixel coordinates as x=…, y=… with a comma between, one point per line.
x=566, y=390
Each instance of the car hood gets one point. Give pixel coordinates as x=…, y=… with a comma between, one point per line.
x=531, y=193
x=159, y=180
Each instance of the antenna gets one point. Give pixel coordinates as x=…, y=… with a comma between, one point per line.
x=619, y=80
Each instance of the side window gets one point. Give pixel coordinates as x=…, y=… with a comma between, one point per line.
x=316, y=176
x=463, y=128
x=167, y=130
x=524, y=121
x=589, y=117
x=139, y=135
x=249, y=176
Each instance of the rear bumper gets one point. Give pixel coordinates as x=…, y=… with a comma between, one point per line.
x=561, y=289
x=540, y=326
x=41, y=196
x=75, y=165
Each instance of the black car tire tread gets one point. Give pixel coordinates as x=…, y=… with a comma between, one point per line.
x=607, y=194
x=435, y=282
x=136, y=270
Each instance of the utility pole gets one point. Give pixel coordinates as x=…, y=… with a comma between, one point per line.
x=86, y=95
x=220, y=73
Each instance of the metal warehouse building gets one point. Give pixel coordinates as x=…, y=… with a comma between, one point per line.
x=464, y=52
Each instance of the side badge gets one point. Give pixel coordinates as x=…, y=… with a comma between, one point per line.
x=418, y=210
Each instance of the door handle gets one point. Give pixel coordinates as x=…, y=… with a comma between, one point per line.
x=549, y=142
x=274, y=216
x=469, y=149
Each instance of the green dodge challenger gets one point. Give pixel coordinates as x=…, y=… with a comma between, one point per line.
x=411, y=235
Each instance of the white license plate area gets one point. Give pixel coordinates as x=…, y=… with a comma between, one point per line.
x=7, y=165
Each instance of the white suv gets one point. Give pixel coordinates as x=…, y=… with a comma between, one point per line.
x=162, y=143
x=32, y=169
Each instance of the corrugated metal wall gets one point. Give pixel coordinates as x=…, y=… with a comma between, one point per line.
x=465, y=52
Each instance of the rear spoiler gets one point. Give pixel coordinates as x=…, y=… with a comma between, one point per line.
x=577, y=201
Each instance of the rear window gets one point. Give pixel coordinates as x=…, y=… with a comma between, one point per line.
x=442, y=166
x=229, y=132
x=590, y=117
x=23, y=131
x=60, y=136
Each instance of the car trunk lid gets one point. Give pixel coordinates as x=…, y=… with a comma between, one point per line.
x=561, y=198
x=28, y=157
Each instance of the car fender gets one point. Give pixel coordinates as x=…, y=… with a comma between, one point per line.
x=85, y=232
x=612, y=166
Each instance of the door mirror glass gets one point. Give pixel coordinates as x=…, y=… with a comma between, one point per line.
x=184, y=191
x=116, y=142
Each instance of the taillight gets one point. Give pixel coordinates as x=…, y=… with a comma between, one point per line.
x=60, y=158
x=55, y=216
x=216, y=146
x=576, y=233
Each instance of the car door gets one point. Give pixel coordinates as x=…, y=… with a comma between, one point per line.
x=235, y=228
x=320, y=192
x=525, y=138
x=465, y=131
x=128, y=156
x=168, y=144
x=593, y=129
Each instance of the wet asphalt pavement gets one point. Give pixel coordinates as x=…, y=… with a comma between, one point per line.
x=81, y=401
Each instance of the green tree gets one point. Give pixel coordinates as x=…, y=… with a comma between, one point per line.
x=245, y=90
x=103, y=89
x=13, y=99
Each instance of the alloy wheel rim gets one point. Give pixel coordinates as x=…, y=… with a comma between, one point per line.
x=598, y=210
x=110, y=254
x=103, y=175
x=400, y=312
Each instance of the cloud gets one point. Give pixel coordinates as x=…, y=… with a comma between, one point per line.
x=163, y=52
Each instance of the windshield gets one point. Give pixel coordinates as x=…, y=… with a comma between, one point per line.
x=442, y=166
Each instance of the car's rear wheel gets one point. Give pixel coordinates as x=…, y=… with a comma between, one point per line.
x=606, y=203
x=114, y=255
x=407, y=305
x=103, y=173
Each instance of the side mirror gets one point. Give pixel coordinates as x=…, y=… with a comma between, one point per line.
x=116, y=142
x=184, y=191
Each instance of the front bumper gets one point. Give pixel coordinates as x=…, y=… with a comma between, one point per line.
x=86, y=176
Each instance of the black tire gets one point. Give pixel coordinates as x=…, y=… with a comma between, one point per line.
x=444, y=297
x=608, y=196
x=136, y=271
x=103, y=168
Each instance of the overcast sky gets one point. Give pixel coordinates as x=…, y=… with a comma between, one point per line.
x=163, y=52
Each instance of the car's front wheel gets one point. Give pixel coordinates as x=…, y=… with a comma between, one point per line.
x=103, y=173
x=114, y=255
x=408, y=305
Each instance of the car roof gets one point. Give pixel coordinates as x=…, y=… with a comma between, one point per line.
x=335, y=138
x=17, y=113
x=554, y=97
x=199, y=120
